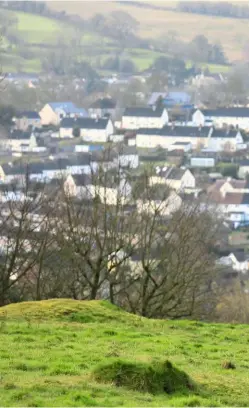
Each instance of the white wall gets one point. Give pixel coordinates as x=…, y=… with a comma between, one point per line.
x=131, y=160
x=136, y=122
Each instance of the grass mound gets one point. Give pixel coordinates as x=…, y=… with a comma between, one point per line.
x=143, y=377
x=65, y=309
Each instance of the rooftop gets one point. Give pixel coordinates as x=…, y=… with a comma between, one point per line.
x=144, y=112
x=84, y=123
x=227, y=112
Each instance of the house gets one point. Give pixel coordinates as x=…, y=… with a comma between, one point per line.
x=166, y=206
x=128, y=157
x=198, y=136
x=228, y=140
x=184, y=146
x=135, y=118
x=175, y=178
x=231, y=199
x=236, y=260
x=234, y=116
x=89, y=129
x=102, y=107
x=154, y=97
x=166, y=136
x=27, y=119
x=19, y=140
x=243, y=168
x=177, y=98
x=203, y=160
x=74, y=185
x=53, y=112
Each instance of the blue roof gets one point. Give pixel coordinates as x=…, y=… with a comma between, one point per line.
x=177, y=98
x=68, y=107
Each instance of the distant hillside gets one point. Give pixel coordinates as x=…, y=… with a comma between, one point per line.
x=79, y=353
x=231, y=33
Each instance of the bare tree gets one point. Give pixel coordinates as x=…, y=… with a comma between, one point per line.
x=24, y=225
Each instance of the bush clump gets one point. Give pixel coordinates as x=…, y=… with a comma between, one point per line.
x=143, y=377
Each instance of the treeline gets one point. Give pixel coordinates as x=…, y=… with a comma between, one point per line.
x=221, y=9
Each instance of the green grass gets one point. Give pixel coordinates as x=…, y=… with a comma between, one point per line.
x=52, y=350
x=35, y=30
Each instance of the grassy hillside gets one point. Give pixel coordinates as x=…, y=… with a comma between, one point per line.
x=232, y=33
x=72, y=353
x=40, y=34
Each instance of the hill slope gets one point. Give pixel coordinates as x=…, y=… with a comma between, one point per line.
x=52, y=350
x=232, y=33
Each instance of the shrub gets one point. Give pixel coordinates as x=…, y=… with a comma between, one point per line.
x=143, y=377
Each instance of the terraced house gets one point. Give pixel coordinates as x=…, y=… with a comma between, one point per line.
x=235, y=116
x=89, y=129
x=202, y=136
x=136, y=117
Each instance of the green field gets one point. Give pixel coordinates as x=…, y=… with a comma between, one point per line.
x=52, y=350
x=35, y=30
x=232, y=33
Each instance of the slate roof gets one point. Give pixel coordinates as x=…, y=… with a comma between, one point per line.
x=19, y=135
x=81, y=179
x=143, y=112
x=227, y=112
x=177, y=131
x=154, y=97
x=128, y=150
x=103, y=103
x=68, y=107
x=172, y=173
x=84, y=123
x=224, y=133
x=244, y=162
x=29, y=115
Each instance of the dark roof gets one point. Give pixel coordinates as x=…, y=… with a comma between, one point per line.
x=81, y=179
x=172, y=173
x=244, y=162
x=80, y=160
x=84, y=123
x=103, y=103
x=177, y=131
x=19, y=134
x=144, y=112
x=176, y=173
x=127, y=150
x=226, y=112
x=226, y=133
x=29, y=115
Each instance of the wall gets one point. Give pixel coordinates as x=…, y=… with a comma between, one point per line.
x=48, y=116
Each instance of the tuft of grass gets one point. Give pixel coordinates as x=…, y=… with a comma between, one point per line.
x=143, y=377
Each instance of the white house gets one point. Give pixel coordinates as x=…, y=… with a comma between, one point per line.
x=237, y=261
x=234, y=116
x=198, y=136
x=135, y=118
x=53, y=112
x=128, y=157
x=243, y=168
x=89, y=129
x=19, y=141
x=175, y=178
x=168, y=135
x=166, y=207
x=27, y=119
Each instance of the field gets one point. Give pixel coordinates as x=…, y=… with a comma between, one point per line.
x=231, y=33
x=40, y=35
x=51, y=351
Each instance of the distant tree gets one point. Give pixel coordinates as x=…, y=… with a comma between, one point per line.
x=76, y=132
